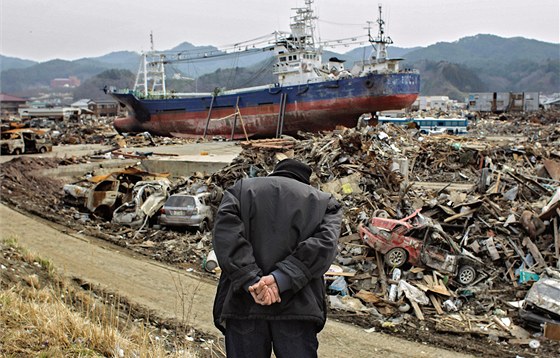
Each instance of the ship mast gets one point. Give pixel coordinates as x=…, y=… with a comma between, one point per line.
x=297, y=54
x=381, y=41
x=303, y=26
x=151, y=74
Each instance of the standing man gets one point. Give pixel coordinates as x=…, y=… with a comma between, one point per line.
x=274, y=238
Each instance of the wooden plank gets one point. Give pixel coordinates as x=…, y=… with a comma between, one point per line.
x=382, y=276
x=345, y=274
x=440, y=186
x=511, y=273
x=552, y=331
x=497, y=185
x=446, y=209
x=442, y=290
x=368, y=296
x=534, y=251
x=429, y=280
x=463, y=328
x=417, y=310
x=520, y=341
x=556, y=241
x=435, y=303
x=501, y=324
x=460, y=215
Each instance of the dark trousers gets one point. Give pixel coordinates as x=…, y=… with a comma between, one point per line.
x=250, y=338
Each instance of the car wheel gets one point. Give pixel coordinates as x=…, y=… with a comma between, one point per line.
x=466, y=275
x=42, y=150
x=203, y=227
x=381, y=214
x=396, y=257
x=16, y=151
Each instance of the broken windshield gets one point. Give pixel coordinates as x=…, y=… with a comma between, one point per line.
x=180, y=201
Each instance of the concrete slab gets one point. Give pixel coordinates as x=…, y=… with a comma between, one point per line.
x=178, y=160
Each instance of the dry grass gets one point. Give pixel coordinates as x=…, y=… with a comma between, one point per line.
x=55, y=319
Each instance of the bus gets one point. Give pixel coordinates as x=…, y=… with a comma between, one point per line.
x=431, y=125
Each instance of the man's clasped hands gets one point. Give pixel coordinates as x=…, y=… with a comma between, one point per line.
x=265, y=292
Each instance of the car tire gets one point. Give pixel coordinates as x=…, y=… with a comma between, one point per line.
x=380, y=213
x=16, y=151
x=203, y=227
x=396, y=257
x=42, y=150
x=466, y=275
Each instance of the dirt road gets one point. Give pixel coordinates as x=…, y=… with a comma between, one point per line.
x=172, y=293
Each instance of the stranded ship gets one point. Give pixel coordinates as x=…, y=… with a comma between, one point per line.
x=309, y=95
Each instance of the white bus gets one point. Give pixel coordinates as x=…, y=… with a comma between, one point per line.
x=431, y=125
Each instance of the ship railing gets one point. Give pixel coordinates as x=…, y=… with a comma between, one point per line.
x=247, y=89
x=189, y=94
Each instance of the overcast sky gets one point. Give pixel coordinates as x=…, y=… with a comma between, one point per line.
x=42, y=30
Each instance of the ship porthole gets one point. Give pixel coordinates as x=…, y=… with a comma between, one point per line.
x=369, y=83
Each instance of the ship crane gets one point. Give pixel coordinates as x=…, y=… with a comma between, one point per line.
x=298, y=55
x=150, y=78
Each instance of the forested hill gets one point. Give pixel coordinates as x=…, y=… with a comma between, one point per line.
x=495, y=63
x=476, y=63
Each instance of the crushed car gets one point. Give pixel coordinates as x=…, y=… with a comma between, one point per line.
x=418, y=241
x=25, y=140
x=542, y=303
x=109, y=191
x=147, y=199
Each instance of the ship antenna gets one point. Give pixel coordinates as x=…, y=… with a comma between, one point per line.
x=151, y=72
x=381, y=40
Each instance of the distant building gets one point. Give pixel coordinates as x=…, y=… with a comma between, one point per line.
x=106, y=108
x=69, y=82
x=498, y=102
x=438, y=103
x=100, y=108
x=10, y=105
x=54, y=113
x=84, y=103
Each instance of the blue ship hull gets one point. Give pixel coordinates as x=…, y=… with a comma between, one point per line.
x=312, y=107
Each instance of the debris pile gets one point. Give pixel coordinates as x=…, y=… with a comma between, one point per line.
x=95, y=130
x=495, y=200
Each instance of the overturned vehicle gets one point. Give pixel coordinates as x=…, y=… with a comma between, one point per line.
x=418, y=241
x=147, y=199
x=126, y=193
x=541, y=306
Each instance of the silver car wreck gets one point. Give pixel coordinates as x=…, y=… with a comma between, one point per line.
x=147, y=199
x=542, y=303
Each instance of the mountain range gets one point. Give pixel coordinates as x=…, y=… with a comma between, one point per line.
x=481, y=63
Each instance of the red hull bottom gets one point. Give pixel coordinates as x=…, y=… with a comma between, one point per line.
x=263, y=121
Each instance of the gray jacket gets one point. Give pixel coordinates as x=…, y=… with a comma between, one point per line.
x=281, y=226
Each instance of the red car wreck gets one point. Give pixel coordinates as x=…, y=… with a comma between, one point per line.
x=418, y=241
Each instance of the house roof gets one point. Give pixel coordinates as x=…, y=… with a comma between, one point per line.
x=105, y=101
x=82, y=102
x=552, y=101
x=8, y=98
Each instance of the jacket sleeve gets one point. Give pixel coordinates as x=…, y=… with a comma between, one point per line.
x=314, y=255
x=233, y=251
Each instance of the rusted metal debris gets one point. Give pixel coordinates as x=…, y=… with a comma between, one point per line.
x=494, y=192
x=487, y=194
